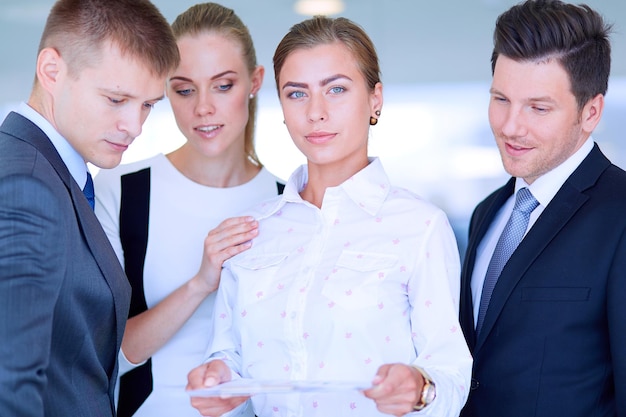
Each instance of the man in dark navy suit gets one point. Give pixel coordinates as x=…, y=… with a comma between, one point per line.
x=547, y=325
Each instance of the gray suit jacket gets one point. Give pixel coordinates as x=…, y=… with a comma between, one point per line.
x=63, y=295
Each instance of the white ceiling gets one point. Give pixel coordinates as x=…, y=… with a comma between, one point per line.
x=418, y=41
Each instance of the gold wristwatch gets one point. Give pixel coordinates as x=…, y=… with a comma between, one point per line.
x=428, y=391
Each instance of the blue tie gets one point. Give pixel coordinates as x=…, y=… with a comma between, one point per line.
x=89, y=191
x=511, y=236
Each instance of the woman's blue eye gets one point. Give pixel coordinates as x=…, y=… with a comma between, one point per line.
x=184, y=92
x=296, y=94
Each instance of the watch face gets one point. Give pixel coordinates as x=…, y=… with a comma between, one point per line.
x=429, y=394
x=428, y=391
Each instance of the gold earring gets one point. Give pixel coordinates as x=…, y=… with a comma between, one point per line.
x=374, y=120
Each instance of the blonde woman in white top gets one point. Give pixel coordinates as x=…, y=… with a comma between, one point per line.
x=214, y=175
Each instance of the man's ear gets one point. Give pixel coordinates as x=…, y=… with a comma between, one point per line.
x=592, y=113
x=49, y=66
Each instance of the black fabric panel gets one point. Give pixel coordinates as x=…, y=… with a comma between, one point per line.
x=135, y=385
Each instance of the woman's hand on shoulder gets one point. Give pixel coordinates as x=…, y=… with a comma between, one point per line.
x=231, y=237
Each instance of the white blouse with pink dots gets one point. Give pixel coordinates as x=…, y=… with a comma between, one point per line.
x=331, y=294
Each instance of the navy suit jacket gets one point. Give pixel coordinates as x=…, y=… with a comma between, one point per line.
x=63, y=295
x=553, y=341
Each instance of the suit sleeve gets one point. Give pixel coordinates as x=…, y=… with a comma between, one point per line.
x=616, y=310
x=32, y=268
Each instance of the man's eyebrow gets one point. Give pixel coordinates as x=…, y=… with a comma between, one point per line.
x=546, y=99
x=128, y=95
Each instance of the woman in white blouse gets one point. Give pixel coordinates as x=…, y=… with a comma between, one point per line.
x=350, y=279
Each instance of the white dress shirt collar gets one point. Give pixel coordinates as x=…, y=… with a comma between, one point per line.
x=358, y=188
x=545, y=187
x=72, y=159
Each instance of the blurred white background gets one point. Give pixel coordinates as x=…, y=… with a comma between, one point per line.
x=433, y=136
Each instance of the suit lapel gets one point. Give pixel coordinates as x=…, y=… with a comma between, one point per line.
x=104, y=255
x=481, y=221
x=23, y=129
x=554, y=218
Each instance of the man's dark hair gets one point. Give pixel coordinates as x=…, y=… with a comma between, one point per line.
x=575, y=36
x=79, y=29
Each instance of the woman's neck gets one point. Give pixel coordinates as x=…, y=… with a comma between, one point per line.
x=219, y=172
x=321, y=177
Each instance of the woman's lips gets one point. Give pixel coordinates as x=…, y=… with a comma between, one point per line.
x=320, y=137
x=208, y=131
